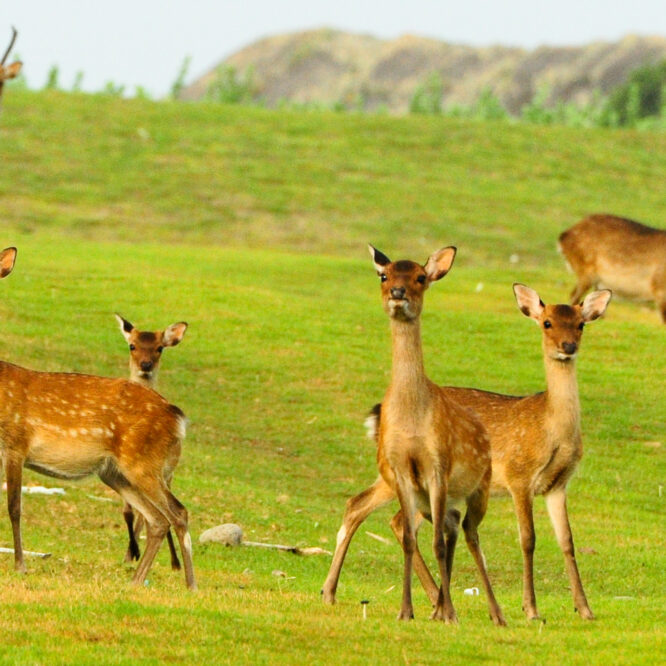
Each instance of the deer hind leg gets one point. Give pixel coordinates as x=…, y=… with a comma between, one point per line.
x=358, y=508
x=14, y=476
x=585, y=282
x=444, y=607
x=556, y=502
x=407, y=506
x=133, y=530
x=523, y=506
x=476, y=510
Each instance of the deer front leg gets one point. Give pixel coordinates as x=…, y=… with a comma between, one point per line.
x=444, y=607
x=14, y=477
x=357, y=510
x=556, y=502
x=523, y=506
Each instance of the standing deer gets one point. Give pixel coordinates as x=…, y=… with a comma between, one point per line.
x=145, y=353
x=535, y=440
x=622, y=255
x=430, y=450
x=9, y=71
x=70, y=426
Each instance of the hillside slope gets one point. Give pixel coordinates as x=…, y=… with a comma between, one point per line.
x=329, y=66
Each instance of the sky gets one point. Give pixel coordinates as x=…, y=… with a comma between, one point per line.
x=145, y=42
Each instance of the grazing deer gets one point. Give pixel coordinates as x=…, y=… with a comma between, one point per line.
x=9, y=71
x=622, y=255
x=430, y=450
x=145, y=353
x=70, y=426
x=535, y=440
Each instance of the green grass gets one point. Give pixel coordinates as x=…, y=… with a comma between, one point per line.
x=251, y=225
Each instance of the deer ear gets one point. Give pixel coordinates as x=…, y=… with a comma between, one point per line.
x=7, y=259
x=174, y=334
x=528, y=301
x=125, y=327
x=439, y=263
x=378, y=258
x=595, y=304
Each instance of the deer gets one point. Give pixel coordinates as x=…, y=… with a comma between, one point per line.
x=625, y=256
x=430, y=450
x=146, y=349
x=9, y=71
x=535, y=440
x=70, y=426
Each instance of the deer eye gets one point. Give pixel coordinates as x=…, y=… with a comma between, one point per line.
x=132, y=347
x=421, y=279
x=383, y=277
x=159, y=349
x=547, y=324
x=581, y=326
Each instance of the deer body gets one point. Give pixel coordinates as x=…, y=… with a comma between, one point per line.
x=146, y=349
x=430, y=451
x=70, y=426
x=618, y=254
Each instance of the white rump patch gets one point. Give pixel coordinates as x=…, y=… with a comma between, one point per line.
x=187, y=542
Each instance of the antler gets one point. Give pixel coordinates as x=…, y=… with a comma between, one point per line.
x=10, y=71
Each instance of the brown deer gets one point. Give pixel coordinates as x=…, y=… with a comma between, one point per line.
x=70, y=426
x=145, y=353
x=430, y=450
x=620, y=254
x=9, y=71
x=535, y=440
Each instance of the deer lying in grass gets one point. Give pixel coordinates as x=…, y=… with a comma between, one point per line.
x=70, y=426
x=622, y=255
x=535, y=440
x=430, y=451
x=145, y=353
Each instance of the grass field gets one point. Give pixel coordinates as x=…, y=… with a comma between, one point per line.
x=252, y=225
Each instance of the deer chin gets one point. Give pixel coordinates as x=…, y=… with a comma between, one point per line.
x=400, y=308
x=564, y=357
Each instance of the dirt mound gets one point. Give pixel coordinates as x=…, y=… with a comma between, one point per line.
x=333, y=67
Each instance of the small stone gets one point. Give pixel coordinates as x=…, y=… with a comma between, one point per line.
x=228, y=534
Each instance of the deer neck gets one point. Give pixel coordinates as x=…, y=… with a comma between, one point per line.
x=408, y=379
x=562, y=403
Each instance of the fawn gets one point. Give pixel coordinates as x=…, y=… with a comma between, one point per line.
x=623, y=255
x=145, y=353
x=430, y=450
x=535, y=440
x=70, y=426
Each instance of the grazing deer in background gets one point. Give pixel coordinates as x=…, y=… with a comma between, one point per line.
x=9, y=71
x=622, y=255
x=70, y=426
x=535, y=440
x=145, y=353
x=429, y=449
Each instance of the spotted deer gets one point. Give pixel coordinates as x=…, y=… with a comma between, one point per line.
x=535, y=440
x=431, y=452
x=9, y=71
x=620, y=254
x=146, y=349
x=70, y=426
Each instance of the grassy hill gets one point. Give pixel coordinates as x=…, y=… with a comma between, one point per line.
x=251, y=225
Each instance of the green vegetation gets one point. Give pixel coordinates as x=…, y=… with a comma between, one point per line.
x=251, y=225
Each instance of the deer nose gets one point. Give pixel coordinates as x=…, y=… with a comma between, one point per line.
x=569, y=347
x=146, y=365
x=397, y=292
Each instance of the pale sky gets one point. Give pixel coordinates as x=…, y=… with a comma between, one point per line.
x=144, y=42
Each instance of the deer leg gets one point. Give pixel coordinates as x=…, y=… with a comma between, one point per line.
x=405, y=496
x=133, y=551
x=585, y=282
x=179, y=519
x=444, y=607
x=476, y=509
x=14, y=476
x=523, y=506
x=358, y=508
x=556, y=502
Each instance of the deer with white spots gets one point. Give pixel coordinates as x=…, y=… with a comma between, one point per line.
x=146, y=349
x=535, y=440
x=70, y=426
x=430, y=451
x=619, y=254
